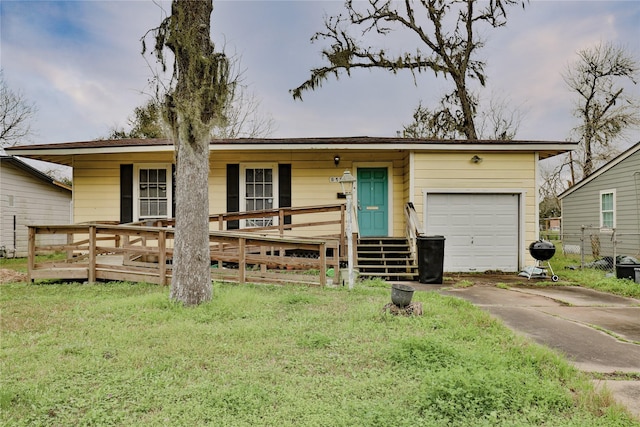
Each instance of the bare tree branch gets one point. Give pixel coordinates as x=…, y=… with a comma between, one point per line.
x=605, y=111
x=447, y=29
x=16, y=114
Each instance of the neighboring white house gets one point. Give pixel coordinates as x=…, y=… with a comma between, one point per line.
x=28, y=196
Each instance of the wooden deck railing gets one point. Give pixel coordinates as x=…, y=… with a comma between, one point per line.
x=301, y=217
x=137, y=253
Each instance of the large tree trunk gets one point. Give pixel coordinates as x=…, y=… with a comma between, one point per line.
x=191, y=280
x=191, y=110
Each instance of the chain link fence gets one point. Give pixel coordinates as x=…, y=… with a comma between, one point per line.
x=599, y=249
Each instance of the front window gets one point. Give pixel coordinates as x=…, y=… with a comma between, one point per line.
x=259, y=193
x=153, y=188
x=608, y=209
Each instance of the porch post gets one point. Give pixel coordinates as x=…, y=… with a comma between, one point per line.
x=347, y=182
x=342, y=230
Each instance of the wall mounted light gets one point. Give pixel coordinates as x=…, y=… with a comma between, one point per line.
x=476, y=159
x=336, y=160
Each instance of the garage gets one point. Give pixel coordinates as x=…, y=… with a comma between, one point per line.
x=481, y=230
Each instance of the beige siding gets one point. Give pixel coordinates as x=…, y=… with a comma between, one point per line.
x=499, y=171
x=97, y=185
x=97, y=180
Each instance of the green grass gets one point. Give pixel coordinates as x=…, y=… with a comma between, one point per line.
x=591, y=277
x=21, y=264
x=122, y=354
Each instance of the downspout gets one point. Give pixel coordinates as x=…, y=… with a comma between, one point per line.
x=537, y=196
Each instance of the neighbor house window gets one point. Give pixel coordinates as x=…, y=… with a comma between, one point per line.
x=608, y=209
x=259, y=189
x=152, y=188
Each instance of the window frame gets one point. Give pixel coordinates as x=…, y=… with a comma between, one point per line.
x=602, y=211
x=136, y=189
x=243, y=188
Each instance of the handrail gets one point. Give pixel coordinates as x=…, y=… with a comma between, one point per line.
x=413, y=228
x=145, y=253
x=223, y=218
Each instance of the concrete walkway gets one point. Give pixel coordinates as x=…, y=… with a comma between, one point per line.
x=596, y=331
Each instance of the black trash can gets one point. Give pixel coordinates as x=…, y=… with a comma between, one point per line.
x=430, y=259
x=626, y=271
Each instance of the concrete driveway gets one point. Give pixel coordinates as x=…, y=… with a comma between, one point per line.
x=596, y=331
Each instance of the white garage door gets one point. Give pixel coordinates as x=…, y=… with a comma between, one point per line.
x=481, y=230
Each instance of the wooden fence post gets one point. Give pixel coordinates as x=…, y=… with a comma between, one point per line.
x=162, y=257
x=281, y=222
x=92, y=254
x=242, y=260
x=69, y=242
x=31, y=252
x=323, y=264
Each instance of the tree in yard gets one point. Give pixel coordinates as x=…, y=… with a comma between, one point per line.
x=549, y=187
x=192, y=107
x=15, y=115
x=606, y=112
x=498, y=121
x=447, y=38
x=146, y=123
x=242, y=113
x=244, y=119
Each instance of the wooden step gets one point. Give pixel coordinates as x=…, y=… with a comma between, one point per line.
x=385, y=257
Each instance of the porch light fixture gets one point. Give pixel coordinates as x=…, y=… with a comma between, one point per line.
x=346, y=182
x=336, y=160
x=476, y=159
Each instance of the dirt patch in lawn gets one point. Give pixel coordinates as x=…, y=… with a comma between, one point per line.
x=490, y=278
x=11, y=276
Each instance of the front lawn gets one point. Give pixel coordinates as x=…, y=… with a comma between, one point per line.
x=122, y=354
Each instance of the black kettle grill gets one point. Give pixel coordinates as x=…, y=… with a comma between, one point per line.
x=542, y=251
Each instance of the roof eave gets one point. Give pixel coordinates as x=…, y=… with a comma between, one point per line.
x=64, y=155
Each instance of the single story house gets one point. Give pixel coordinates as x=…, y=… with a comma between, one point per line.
x=28, y=196
x=607, y=200
x=481, y=195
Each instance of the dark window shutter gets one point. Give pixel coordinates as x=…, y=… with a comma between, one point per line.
x=284, y=189
x=233, y=193
x=173, y=190
x=126, y=194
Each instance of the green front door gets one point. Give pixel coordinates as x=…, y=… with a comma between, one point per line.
x=372, y=203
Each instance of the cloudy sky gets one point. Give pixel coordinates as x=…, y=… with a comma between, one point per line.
x=80, y=63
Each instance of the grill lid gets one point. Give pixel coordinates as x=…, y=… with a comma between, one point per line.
x=542, y=250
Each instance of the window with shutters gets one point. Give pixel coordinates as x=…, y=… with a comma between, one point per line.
x=152, y=191
x=258, y=192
